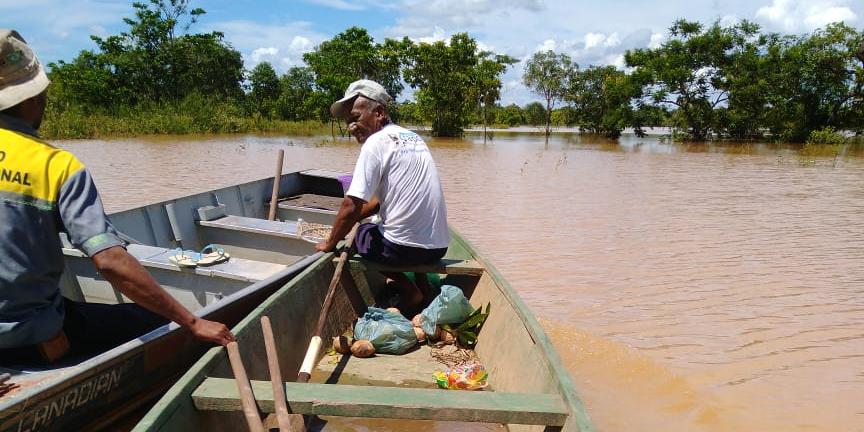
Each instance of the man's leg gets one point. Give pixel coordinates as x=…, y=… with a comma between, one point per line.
x=410, y=296
x=93, y=328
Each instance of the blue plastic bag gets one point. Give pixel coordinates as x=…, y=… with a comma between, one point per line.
x=389, y=332
x=450, y=307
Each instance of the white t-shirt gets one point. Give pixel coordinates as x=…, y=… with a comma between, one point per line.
x=395, y=165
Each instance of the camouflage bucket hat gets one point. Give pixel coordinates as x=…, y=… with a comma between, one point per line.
x=21, y=74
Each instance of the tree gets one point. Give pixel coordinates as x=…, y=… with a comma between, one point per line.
x=154, y=60
x=487, y=84
x=511, y=115
x=451, y=79
x=601, y=97
x=547, y=74
x=349, y=56
x=264, y=85
x=816, y=82
x=535, y=114
x=296, y=88
x=687, y=71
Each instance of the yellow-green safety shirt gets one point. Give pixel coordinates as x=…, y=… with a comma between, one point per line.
x=43, y=191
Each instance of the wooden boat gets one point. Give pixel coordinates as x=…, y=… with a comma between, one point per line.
x=529, y=390
x=106, y=390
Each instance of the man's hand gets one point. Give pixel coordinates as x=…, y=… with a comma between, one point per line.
x=211, y=331
x=324, y=246
x=126, y=274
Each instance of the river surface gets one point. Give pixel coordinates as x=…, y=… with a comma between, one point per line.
x=686, y=287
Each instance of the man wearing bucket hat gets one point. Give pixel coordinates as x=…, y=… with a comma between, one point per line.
x=44, y=191
x=396, y=177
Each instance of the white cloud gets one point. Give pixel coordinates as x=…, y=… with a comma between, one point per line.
x=301, y=44
x=547, y=45
x=337, y=4
x=264, y=54
x=283, y=45
x=419, y=18
x=656, y=40
x=804, y=15
x=594, y=39
x=438, y=34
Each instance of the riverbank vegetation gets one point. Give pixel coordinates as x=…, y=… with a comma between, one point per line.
x=704, y=82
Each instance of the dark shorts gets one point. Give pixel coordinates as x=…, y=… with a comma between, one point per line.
x=372, y=245
x=92, y=328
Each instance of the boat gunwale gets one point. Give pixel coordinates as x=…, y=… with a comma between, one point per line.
x=553, y=362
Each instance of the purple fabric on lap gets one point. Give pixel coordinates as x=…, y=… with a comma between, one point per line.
x=372, y=245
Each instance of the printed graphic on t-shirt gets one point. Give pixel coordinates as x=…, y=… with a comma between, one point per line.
x=409, y=142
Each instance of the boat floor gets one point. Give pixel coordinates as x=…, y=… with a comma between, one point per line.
x=413, y=369
x=320, y=202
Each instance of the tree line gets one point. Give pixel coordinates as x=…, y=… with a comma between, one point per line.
x=706, y=81
x=715, y=81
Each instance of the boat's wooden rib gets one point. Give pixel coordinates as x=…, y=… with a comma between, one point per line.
x=220, y=394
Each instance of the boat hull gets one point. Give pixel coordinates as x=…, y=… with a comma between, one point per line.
x=512, y=346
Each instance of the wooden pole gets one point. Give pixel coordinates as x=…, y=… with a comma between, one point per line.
x=315, y=344
x=274, y=198
x=282, y=414
x=247, y=398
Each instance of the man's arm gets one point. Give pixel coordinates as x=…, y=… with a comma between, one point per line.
x=126, y=274
x=349, y=213
x=370, y=208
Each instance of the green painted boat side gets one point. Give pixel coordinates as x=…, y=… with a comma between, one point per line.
x=579, y=420
x=513, y=346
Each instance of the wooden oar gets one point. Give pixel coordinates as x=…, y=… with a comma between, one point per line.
x=247, y=398
x=315, y=344
x=282, y=414
x=274, y=198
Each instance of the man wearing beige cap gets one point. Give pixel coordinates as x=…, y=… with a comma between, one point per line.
x=396, y=177
x=44, y=191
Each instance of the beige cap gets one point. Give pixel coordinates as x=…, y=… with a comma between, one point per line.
x=21, y=74
x=366, y=88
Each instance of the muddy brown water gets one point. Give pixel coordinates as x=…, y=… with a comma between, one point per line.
x=686, y=287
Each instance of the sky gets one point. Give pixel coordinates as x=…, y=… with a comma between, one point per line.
x=280, y=31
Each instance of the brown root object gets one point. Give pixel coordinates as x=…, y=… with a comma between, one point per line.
x=362, y=349
x=444, y=336
x=419, y=333
x=341, y=344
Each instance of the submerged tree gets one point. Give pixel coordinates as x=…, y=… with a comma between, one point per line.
x=547, y=74
x=601, y=97
x=487, y=84
x=687, y=71
x=451, y=78
x=816, y=81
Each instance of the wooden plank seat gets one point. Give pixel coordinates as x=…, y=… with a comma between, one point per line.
x=454, y=266
x=220, y=394
x=286, y=229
